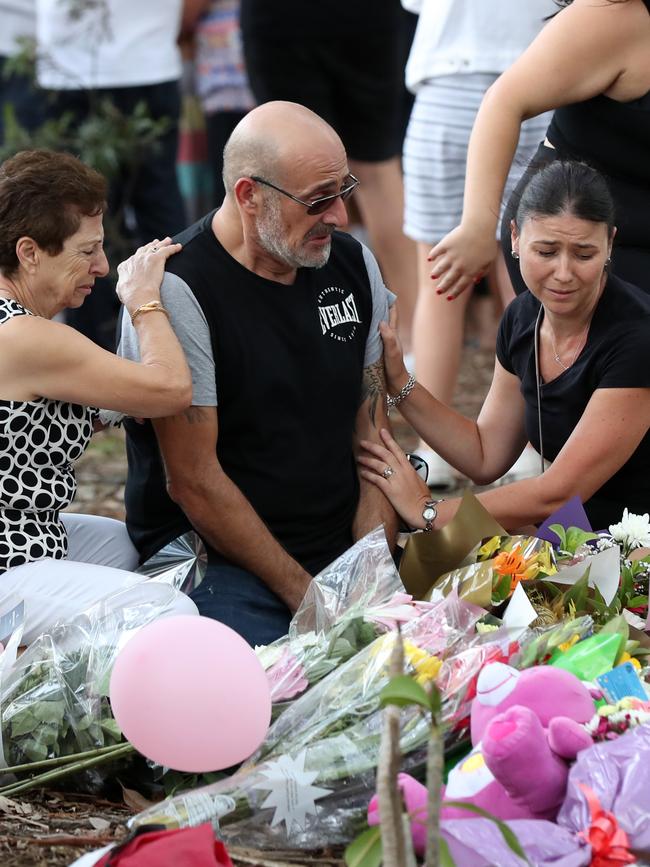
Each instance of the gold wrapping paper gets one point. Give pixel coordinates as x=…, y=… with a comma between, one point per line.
x=427, y=556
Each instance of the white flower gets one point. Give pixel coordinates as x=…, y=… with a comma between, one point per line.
x=633, y=531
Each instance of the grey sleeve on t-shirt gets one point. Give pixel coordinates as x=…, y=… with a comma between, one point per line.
x=193, y=333
x=192, y=329
x=382, y=300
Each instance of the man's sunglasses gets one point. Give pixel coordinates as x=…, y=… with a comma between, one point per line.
x=318, y=206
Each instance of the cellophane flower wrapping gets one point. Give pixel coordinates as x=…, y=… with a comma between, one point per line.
x=538, y=645
x=493, y=569
x=180, y=563
x=618, y=773
x=346, y=607
x=313, y=776
x=478, y=842
x=54, y=698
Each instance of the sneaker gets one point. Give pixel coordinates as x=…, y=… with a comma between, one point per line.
x=441, y=474
x=526, y=466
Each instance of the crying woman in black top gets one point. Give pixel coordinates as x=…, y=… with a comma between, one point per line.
x=572, y=374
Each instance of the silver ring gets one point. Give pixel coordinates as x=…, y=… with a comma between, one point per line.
x=388, y=472
x=154, y=249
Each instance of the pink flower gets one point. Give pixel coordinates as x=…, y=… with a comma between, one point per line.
x=400, y=609
x=286, y=677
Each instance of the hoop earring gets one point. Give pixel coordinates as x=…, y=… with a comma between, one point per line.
x=514, y=254
x=608, y=262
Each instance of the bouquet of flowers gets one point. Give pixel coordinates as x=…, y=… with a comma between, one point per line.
x=54, y=698
x=495, y=567
x=313, y=775
x=346, y=607
x=606, y=575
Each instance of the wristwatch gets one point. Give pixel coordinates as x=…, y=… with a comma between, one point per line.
x=430, y=513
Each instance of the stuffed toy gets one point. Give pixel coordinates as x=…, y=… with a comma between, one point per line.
x=526, y=727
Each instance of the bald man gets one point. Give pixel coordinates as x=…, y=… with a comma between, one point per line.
x=278, y=312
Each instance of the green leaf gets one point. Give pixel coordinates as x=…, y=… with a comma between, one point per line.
x=35, y=752
x=49, y=711
x=501, y=589
x=508, y=835
x=445, y=859
x=617, y=626
x=403, y=691
x=575, y=537
x=637, y=602
x=365, y=851
x=560, y=532
x=578, y=593
x=23, y=723
x=47, y=734
x=552, y=589
x=112, y=729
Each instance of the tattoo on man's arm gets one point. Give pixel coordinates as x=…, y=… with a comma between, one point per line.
x=195, y=414
x=373, y=387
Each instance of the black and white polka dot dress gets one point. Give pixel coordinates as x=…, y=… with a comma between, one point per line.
x=39, y=442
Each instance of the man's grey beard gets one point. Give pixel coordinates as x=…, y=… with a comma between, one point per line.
x=270, y=233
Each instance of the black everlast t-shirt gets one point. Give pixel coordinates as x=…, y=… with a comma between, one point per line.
x=616, y=355
x=288, y=366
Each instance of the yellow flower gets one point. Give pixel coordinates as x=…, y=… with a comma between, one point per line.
x=489, y=548
x=427, y=670
x=426, y=666
x=627, y=658
x=544, y=563
x=483, y=628
x=567, y=644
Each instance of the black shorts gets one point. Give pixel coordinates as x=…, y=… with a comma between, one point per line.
x=355, y=84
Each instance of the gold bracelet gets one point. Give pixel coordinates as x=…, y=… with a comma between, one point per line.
x=149, y=307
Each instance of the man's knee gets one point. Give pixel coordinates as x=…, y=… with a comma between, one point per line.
x=242, y=601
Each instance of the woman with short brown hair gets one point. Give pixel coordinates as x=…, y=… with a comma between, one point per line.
x=52, y=378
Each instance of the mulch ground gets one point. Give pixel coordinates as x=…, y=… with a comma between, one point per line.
x=53, y=828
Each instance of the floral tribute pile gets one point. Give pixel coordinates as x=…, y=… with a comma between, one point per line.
x=579, y=603
x=568, y=599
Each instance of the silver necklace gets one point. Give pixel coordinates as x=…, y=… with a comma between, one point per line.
x=556, y=354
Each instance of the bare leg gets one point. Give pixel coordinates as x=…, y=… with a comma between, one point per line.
x=500, y=282
x=381, y=202
x=438, y=331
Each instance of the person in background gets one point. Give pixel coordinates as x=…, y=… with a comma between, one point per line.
x=345, y=61
x=220, y=77
x=572, y=376
x=599, y=86
x=459, y=50
x=52, y=378
x=127, y=53
x=18, y=19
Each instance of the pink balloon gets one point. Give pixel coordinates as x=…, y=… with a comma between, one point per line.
x=189, y=693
